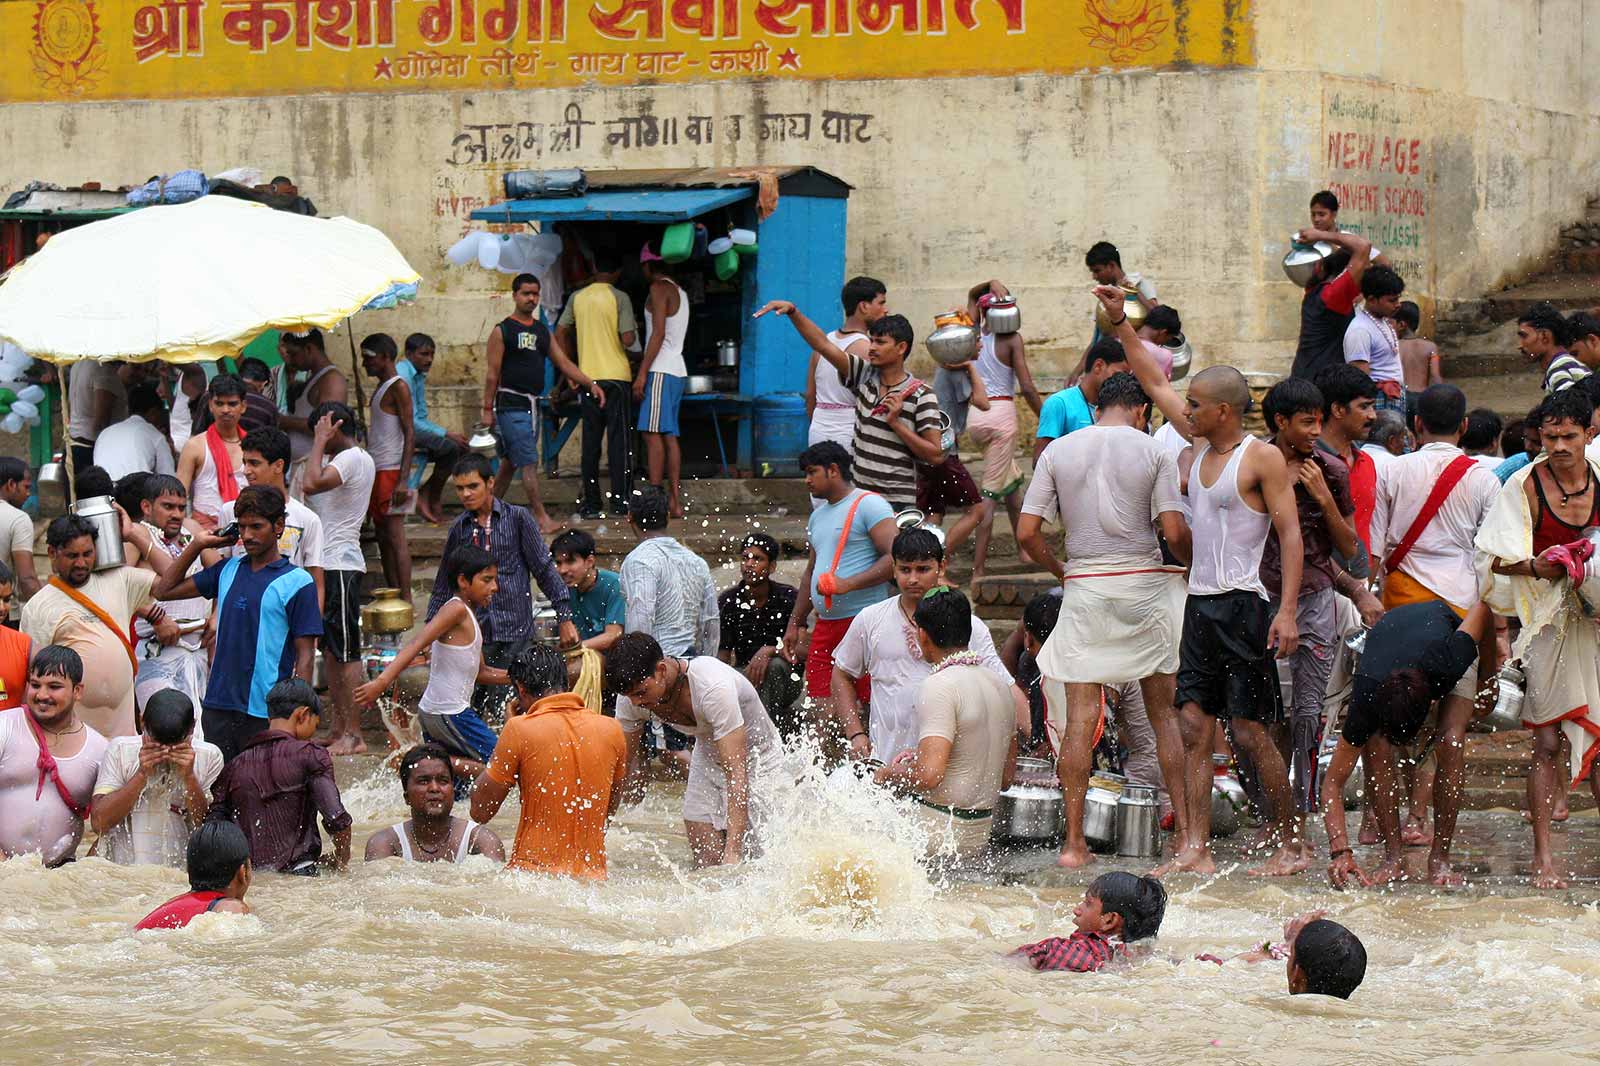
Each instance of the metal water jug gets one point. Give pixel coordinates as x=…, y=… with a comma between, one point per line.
x=1511, y=686
x=101, y=512
x=1139, y=822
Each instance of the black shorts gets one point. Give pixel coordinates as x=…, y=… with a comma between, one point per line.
x=946, y=487
x=1223, y=662
x=341, y=615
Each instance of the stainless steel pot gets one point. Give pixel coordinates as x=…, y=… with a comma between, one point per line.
x=51, y=485
x=914, y=518
x=701, y=383
x=1300, y=265
x=101, y=512
x=1029, y=813
x=1139, y=822
x=1228, y=805
x=1100, y=818
x=1004, y=316
x=546, y=624
x=482, y=440
x=1511, y=685
x=727, y=353
x=953, y=344
x=1032, y=771
x=1182, y=355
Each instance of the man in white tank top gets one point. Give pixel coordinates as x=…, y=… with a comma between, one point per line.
x=829, y=403
x=1238, y=490
x=432, y=833
x=303, y=354
x=658, y=387
x=211, y=465
x=391, y=441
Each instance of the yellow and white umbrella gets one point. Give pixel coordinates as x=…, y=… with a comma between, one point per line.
x=194, y=281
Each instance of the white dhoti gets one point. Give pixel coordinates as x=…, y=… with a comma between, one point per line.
x=183, y=666
x=1562, y=665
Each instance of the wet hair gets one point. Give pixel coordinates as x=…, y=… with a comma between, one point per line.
x=344, y=419
x=57, y=660
x=897, y=328
x=379, y=344
x=467, y=561
x=1483, y=430
x=916, y=545
x=1344, y=384
x=92, y=481
x=253, y=369
x=130, y=491
x=262, y=501
x=1442, y=408
x=418, y=341
x=1409, y=314
x=1100, y=253
x=269, y=442
x=826, y=453
x=1334, y=265
x=1512, y=440
x=473, y=463
x=946, y=616
x=289, y=695
x=217, y=852
x=1039, y=617
x=12, y=469
x=1326, y=199
x=422, y=753
x=66, y=529
x=1139, y=901
x=631, y=659
x=648, y=508
x=1381, y=281
x=1545, y=316
x=529, y=279
x=168, y=716
x=227, y=385
x=577, y=543
x=858, y=291
x=1227, y=384
x=1581, y=324
x=159, y=485
x=1332, y=958
x=142, y=398
x=767, y=544
x=1163, y=316
x=1388, y=425
x=1571, y=404
x=1401, y=702
x=540, y=670
x=1122, y=389
x=1107, y=350
x=1290, y=397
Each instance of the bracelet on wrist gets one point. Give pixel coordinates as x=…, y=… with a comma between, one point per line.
x=857, y=733
x=1120, y=321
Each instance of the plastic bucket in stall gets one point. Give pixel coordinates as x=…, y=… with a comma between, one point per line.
x=780, y=433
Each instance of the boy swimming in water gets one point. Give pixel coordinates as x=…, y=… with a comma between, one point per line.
x=1323, y=958
x=219, y=876
x=1117, y=909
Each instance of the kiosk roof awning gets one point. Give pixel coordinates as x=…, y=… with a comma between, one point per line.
x=616, y=205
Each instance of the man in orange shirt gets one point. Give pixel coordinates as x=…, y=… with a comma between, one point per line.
x=15, y=647
x=568, y=763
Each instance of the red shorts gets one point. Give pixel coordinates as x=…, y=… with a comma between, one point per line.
x=819, y=659
x=946, y=487
x=380, y=503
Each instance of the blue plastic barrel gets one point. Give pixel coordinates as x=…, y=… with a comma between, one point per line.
x=780, y=433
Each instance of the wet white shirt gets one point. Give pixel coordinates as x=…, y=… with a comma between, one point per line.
x=133, y=446
x=723, y=699
x=882, y=644
x=1442, y=557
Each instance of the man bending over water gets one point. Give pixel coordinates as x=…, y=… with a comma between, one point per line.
x=431, y=834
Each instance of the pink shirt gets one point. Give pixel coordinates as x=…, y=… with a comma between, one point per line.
x=34, y=819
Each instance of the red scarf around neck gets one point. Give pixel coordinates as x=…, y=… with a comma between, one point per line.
x=227, y=481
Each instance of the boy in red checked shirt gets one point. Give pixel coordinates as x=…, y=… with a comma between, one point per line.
x=1117, y=909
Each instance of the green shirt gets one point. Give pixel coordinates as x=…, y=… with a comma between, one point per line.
x=601, y=606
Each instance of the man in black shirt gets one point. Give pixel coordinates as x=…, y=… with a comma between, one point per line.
x=1417, y=654
x=754, y=614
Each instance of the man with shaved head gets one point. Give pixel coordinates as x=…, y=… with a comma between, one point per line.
x=1239, y=490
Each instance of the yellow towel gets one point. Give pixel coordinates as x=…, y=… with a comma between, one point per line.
x=588, y=686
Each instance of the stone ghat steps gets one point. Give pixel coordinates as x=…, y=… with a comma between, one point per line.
x=1574, y=291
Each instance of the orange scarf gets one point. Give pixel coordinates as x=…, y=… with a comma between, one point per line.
x=93, y=608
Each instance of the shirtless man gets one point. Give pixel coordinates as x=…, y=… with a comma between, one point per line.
x=431, y=834
x=1236, y=492
x=211, y=465
x=1121, y=611
x=1419, y=357
x=325, y=383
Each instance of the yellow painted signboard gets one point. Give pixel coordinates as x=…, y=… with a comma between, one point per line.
x=125, y=49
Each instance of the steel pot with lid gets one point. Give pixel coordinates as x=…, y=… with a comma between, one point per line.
x=1182, y=355
x=1300, y=265
x=1003, y=315
x=1100, y=818
x=727, y=353
x=954, y=339
x=101, y=512
x=1029, y=814
x=482, y=440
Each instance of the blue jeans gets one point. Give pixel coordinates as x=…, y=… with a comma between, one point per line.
x=519, y=437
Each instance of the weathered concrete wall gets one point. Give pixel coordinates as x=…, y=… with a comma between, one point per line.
x=1198, y=175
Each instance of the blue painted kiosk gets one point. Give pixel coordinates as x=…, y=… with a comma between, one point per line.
x=799, y=256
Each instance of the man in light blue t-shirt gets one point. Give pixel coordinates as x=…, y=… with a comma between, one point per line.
x=1073, y=409
x=842, y=581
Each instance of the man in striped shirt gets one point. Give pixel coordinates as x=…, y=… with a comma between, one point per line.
x=897, y=416
x=1542, y=337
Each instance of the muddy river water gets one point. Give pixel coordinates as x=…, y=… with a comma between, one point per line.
x=836, y=947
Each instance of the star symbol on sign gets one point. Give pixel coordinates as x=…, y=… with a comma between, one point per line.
x=382, y=70
x=789, y=60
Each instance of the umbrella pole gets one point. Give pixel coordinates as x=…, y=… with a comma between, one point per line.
x=355, y=371
x=66, y=436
